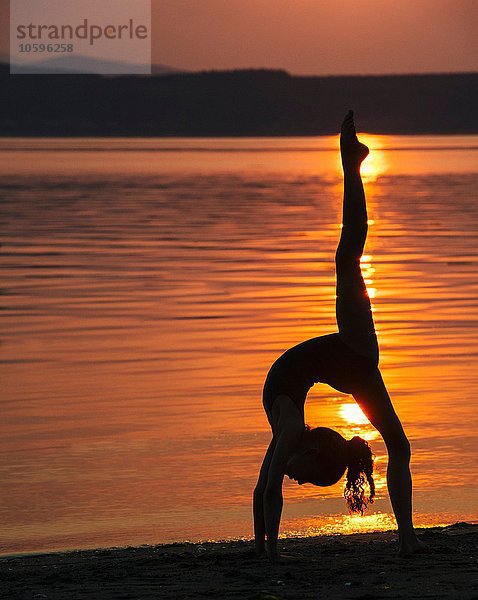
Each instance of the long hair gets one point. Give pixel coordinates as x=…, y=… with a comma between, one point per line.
x=359, y=474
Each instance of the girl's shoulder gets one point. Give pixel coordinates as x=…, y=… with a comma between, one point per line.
x=286, y=416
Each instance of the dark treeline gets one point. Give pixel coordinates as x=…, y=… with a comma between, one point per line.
x=250, y=102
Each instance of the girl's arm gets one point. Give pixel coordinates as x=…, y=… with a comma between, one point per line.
x=286, y=444
x=258, y=502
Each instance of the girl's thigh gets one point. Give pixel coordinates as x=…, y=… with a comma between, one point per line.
x=373, y=398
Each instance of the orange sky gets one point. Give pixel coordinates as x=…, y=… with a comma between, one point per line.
x=317, y=36
x=312, y=36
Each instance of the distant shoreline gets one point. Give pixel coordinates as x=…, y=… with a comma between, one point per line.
x=242, y=103
x=220, y=137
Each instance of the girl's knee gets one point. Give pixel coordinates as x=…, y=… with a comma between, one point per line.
x=348, y=257
x=399, y=447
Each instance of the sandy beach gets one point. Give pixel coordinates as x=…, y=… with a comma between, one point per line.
x=354, y=566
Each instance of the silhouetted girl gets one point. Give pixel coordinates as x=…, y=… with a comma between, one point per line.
x=347, y=361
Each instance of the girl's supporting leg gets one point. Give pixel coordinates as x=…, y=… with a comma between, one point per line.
x=375, y=402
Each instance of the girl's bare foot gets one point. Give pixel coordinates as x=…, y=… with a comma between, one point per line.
x=410, y=547
x=351, y=150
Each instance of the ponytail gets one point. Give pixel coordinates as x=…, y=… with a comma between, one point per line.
x=360, y=472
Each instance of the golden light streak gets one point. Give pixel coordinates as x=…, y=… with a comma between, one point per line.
x=367, y=272
x=353, y=414
x=339, y=524
x=375, y=164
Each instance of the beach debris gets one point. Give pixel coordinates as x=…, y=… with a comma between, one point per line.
x=200, y=550
x=267, y=596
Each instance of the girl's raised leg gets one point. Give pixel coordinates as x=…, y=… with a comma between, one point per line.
x=353, y=309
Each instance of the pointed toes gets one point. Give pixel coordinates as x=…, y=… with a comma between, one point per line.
x=348, y=124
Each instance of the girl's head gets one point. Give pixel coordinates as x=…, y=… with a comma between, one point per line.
x=323, y=457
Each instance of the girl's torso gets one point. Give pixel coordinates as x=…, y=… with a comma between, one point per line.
x=325, y=359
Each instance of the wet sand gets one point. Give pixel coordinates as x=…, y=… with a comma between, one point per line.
x=353, y=566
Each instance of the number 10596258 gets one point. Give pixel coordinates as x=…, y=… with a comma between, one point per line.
x=47, y=48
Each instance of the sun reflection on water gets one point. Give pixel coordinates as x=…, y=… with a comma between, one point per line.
x=340, y=524
x=352, y=413
x=367, y=273
x=375, y=164
x=355, y=422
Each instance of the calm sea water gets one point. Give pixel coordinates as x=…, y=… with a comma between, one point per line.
x=148, y=285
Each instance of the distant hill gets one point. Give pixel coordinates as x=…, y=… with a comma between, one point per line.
x=246, y=102
x=78, y=64
x=166, y=70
